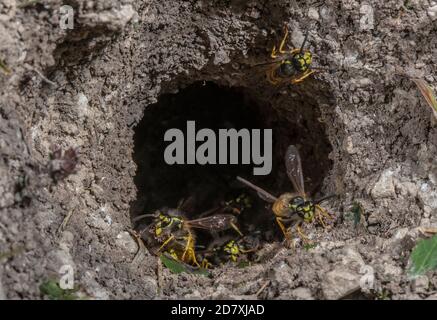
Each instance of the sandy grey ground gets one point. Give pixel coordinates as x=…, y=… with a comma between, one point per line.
x=364, y=131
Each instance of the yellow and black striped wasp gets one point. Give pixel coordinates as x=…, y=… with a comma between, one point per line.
x=293, y=65
x=228, y=249
x=175, y=235
x=293, y=207
x=237, y=205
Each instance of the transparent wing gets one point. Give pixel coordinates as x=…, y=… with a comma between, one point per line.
x=266, y=196
x=187, y=205
x=276, y=61
x=261, y=192
x=294, y=169
x=217, y=222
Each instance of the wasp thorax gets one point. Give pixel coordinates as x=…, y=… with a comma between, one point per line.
x=281, y=207
x=286, y=69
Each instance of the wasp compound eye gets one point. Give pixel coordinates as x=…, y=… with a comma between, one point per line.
x=297, y=201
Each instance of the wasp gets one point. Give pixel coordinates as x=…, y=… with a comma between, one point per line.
x=227, y=249
x=238, y=205
x=292, y=65
x=297, y=206
x=175, y=233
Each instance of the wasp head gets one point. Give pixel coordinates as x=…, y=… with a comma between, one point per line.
x=166, y=223
x=305, y=209
x=233, y=250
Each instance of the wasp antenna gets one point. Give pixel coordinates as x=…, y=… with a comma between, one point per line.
x=320, y=200
x=304, y=41
x=138, y=218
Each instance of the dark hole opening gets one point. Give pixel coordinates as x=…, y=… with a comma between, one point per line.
x=207, y=186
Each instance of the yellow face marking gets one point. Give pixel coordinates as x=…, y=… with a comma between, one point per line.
x=158, y=231
x=308, y=217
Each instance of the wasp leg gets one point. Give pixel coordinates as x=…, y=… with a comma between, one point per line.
x=206, y=264
x=189, y=249
x=294, y=51
x=271, y=76
x=305, y=239
x=286, y=232
x=281, y=225
x=281, y=46
x=234, y=226
x=306, y=74
x=274, y=53
x=249, y=250
x=320, y=217
x=193, y=257
x=322, y=213
x=166, y=242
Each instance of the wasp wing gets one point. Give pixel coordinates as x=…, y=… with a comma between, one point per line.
x=277, y=61
x=217, y=222
x=187, y=204
x=294, y=169
x=261, y=192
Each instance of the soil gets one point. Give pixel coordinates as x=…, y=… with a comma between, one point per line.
x=130, y=69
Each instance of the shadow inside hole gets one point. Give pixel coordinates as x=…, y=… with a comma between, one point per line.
x=211, y=106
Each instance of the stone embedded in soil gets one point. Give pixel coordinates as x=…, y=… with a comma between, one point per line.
x=392, y=272
x=283, y=274
x=339, y=283
x=94, y=289
x=57, y=259
x=150, y=287
x=100, y=219
x=384, y=188
x=428, y=199
x=302, y=293
x=420, y=284
x=345, y=277
x=313, y=14
x=125, y=241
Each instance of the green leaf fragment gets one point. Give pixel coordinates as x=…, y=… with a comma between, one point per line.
x=309, y=246
x=173, y=265
x=179, y=267
x=424, y=256
x=53, y=291
x=357, y=213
